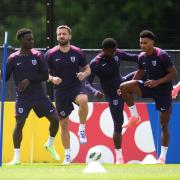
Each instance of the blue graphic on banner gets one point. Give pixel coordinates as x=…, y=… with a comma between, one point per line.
x=173, y=155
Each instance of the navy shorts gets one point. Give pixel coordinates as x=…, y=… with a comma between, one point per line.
x=42, y=108
x=64, y=100
x=162, y=98
x=116, y=105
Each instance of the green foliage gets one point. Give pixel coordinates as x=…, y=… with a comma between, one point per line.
x=91, y=20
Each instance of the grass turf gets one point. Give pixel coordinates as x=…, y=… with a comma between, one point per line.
x=45, y=171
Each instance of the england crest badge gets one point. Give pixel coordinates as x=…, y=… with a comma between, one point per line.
x=34, y=62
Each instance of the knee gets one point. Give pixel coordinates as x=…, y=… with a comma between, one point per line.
x=118, y=128
x=83, y=100
x=123, y=87
x=54, y=118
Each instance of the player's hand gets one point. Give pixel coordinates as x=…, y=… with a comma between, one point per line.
x=151, y=83
x=56, y=80
x=99, y=95
x=81, y=76
x=175, y=92
x=119, y=92
x=23, y=85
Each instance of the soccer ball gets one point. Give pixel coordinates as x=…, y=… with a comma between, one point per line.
x=94, y=154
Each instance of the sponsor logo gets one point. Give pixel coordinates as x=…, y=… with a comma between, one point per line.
x=51, y=110
x=104, y=64
x=57, y=60
x=34, y=62
x=18, y=63
x=162, y=109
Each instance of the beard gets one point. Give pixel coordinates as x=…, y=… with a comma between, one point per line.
x=63, y=42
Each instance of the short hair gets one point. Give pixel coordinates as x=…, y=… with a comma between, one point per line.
x=147, y=34
x=109, y=43
x=21, y=32
x=64, y=27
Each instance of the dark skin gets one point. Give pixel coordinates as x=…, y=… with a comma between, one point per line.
x=127, y=89
x=117, y=137
x=26, y=44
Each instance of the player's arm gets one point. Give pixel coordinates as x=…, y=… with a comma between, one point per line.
x=51, y=78
x=168, y=77
x=138, y=74
x=41, y=76
x=129, y=57
x=170, y=69
x=89, y=81
x=86, y=71
x=54, y=79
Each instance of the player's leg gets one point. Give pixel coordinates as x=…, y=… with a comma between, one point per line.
x=116, y=108
x=46, y=108
x=65, y=137
x=82, y=101
x=164, y=119
x=22, y=110
x=163, y=102
x=64, y=108
x=128, y=89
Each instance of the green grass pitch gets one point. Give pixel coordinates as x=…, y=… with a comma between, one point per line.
x=45, y=171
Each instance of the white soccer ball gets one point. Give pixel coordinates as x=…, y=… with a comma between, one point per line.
x=94, y=154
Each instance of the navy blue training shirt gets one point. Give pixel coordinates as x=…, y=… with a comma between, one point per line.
x=28, y=67
x=66, y=65
x=156, y=66
x=107, y=69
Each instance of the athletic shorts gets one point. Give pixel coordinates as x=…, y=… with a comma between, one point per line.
x=42, y=108
x=116, y=106
x=162, y=98
x=64, y=100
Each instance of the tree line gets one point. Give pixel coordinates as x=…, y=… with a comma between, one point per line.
x=92, y=21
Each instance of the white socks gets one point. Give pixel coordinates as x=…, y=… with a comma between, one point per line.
x=50, y=141
x=163, y=152
x=82, y=127
x=118, y=153
x=67, y=152
x=17, y=154
x=133, y=111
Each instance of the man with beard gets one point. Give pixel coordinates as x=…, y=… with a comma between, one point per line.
x=29, y=69
x=64, y=61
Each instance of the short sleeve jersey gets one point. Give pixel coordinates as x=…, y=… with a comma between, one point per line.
x=156, y=66
x=66, y=65
x=28, y=66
